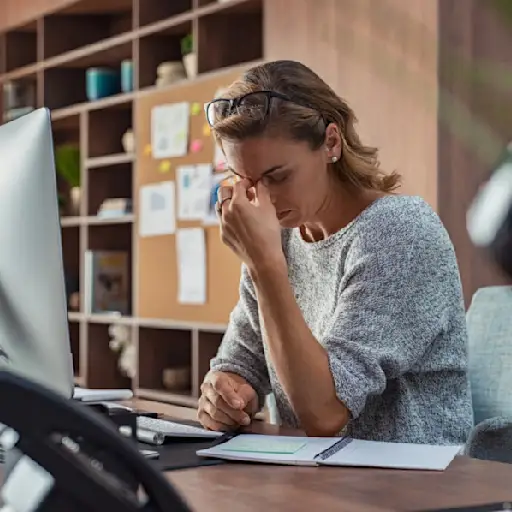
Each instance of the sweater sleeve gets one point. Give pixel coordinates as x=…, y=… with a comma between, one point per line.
x=241, y=350
x=391, y=308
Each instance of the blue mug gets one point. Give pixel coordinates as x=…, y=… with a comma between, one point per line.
x=101, y=83
x=127, y=76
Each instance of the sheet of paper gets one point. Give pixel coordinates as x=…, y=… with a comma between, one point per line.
x=157, y=209
x=194, y=187
x=393, y=455
x=170, y=130
x=191, y=258
x=271, y=445
x=211, y=218
x=271, y=449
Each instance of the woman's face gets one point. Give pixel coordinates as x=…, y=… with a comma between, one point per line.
x=296, y=177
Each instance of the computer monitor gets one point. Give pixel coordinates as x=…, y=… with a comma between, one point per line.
x=34, y=335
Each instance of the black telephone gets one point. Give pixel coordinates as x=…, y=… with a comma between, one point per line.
x=73, y=459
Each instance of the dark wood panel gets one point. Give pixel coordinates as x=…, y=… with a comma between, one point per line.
x=475, y=120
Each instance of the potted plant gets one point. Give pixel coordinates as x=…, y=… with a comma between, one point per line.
x=189, y=56
x=67, y=164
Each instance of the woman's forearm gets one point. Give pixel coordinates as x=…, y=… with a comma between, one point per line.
x=300, y=361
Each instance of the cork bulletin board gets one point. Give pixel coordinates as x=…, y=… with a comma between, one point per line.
x=156, y=259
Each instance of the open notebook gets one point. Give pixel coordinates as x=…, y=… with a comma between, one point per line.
x=345, y=451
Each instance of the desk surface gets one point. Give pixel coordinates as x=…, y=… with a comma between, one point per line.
x=247, y=488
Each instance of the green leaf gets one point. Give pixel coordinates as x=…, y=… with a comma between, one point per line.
x=67, y=163
x=187, y=45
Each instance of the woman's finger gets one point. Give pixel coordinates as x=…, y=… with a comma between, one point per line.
x=224, y=193
x=217, y=414
x=210, y=424
x=224, y=412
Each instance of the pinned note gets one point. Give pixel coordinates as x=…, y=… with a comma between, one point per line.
x=157, y=209
x=196, y=145
x=217, y=179
x=195, y=109
x=191, y=259
x=194, y=186
x=207, y=130
x=169, y=130
x=165, y=166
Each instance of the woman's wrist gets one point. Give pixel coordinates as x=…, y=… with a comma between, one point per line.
x=268, y=268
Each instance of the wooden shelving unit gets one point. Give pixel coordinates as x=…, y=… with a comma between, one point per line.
x=50, y=56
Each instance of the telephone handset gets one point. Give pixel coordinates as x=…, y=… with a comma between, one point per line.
x=72, y=458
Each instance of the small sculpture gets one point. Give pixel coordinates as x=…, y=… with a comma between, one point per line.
x=121, y=342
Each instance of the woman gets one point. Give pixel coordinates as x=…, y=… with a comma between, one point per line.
x=350, y=308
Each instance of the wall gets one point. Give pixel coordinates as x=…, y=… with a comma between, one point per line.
x=381, y=56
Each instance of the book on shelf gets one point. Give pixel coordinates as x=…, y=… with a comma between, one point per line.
x=107, y=278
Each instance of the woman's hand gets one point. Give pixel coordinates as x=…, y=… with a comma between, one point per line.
x=249, y=225
x=227, y=402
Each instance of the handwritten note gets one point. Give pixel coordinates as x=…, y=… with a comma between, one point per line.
x=191, y=258
x=170, y=130
x=157, y=209
x=194, y=185
x=211, y=219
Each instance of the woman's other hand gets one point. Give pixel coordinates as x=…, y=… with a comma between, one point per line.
x=227, y=402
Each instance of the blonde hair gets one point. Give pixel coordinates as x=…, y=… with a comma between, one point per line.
x=312, y=106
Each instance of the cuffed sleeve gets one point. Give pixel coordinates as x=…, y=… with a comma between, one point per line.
x=241, y=350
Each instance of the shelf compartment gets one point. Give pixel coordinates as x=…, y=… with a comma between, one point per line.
x=207, y=345
x=102, y=362
x=66, y=130
x=160, y=349
x=221, y=30
x=151, y=11
x=19, y=96
x=106, y=130
x=74, y=340
x=110, y=237
x=21, y=47
x=164, y=46
x=83, y=25
x=108, y=183
x=71, y=69
x=55, y=95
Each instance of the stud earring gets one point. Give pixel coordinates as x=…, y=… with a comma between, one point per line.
x=334, y=159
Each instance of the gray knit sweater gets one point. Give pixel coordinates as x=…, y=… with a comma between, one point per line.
x=383, y=297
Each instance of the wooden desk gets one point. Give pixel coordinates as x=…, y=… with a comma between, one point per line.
x=247, y=488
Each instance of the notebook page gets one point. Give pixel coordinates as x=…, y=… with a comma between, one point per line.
x=270, y=449
x=393, y=455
